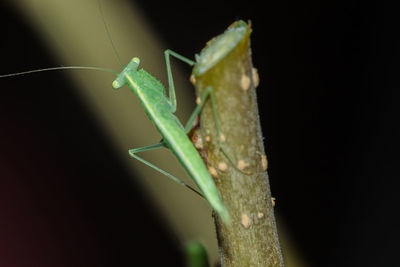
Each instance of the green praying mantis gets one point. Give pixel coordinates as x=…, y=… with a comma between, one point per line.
x=160, y=109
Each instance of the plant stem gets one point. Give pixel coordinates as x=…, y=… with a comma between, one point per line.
x=252, y=238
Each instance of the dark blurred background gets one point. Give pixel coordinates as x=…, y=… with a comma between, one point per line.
x=328, y=101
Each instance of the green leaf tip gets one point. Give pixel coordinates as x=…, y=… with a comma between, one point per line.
x=196, y=254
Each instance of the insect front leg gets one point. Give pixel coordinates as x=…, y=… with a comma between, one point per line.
x=171, y=87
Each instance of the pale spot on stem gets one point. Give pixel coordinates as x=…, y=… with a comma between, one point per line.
x=245, y=82
x=213, y=171
x=256, y=78
x=245, y=220
x=222, y=166
x=192, y=79
x=222, y=138
x=242, y=164
x=264, y=162
x=273, y=201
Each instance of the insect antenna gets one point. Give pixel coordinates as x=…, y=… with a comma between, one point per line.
x=109, y=34
x=194, y=190
x=58, y=68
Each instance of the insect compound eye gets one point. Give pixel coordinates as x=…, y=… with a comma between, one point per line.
x=136, y=60
x=116, y=84
x=133, y=64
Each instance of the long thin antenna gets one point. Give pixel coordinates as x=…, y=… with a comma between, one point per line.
x=58, y=68
x=108, y=34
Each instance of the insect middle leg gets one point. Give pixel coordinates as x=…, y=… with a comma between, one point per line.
x=132, y=153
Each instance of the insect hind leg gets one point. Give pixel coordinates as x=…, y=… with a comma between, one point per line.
x=132, y=153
